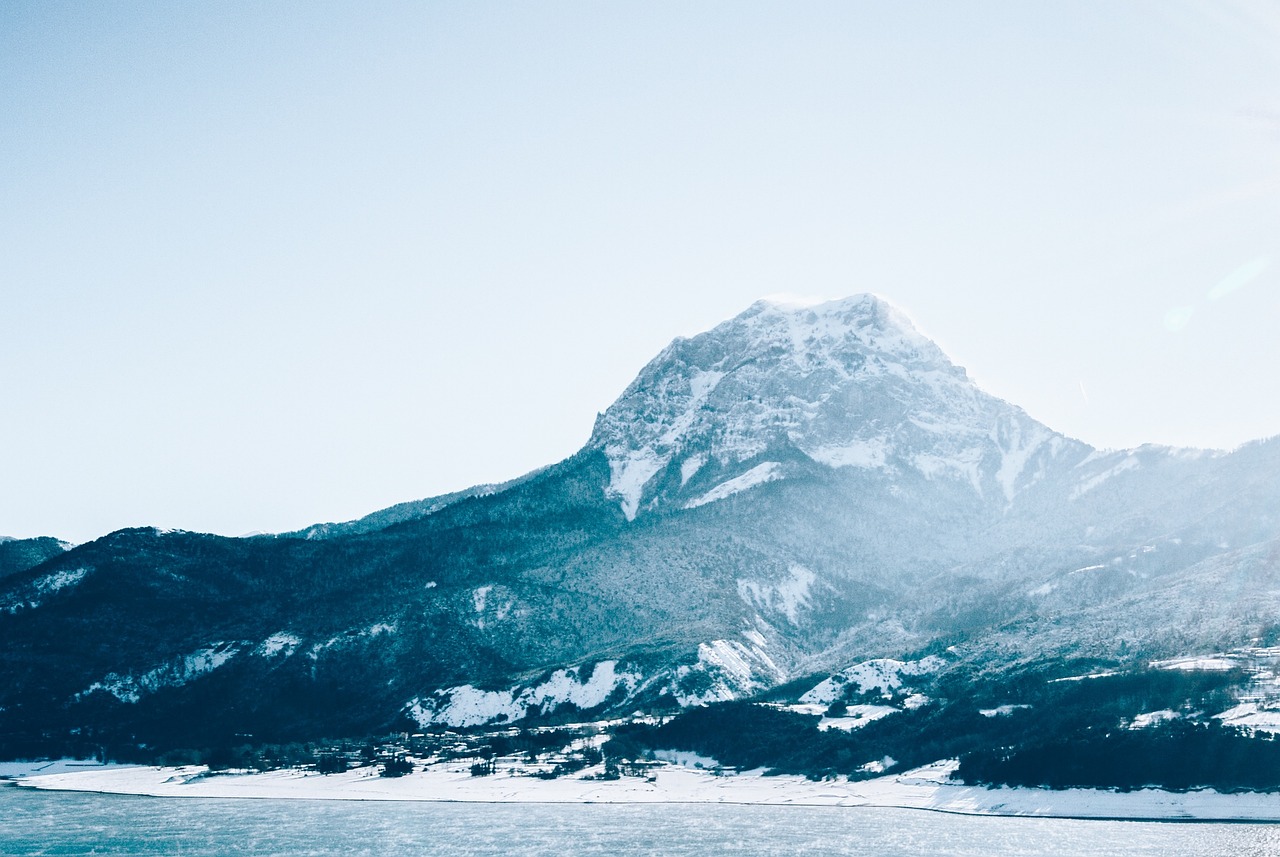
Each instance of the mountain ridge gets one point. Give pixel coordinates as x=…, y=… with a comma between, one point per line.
x=796, y=489
x=850, y=383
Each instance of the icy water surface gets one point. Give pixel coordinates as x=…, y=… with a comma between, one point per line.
x=70, y=823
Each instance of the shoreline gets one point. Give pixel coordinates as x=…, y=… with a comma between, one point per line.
x=927, y=788
x=1155, y=819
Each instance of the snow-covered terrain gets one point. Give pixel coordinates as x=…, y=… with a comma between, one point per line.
x=726, y=669
x=830, y=379
x=757, y=475
x=175, y=673
x=470, y=706
x=880, y=675
x=788, y=596
x=926, y=788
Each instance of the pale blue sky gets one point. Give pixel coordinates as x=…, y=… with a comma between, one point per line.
x=263, y=265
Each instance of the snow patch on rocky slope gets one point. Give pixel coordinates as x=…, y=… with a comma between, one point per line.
x=882, y=675
x=758, y=475
x=850, y=383
x=787, y=596
x=174, y=673
x=467, y=705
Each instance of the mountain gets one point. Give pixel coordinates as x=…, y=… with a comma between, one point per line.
x=848, y=384
x=796, y=490
x=20, y=554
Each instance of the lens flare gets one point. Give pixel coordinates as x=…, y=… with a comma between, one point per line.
x=1178, y=318
x=1239, y=278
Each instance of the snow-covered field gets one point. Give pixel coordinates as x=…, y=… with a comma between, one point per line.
x=924, y=788
x=15, y=770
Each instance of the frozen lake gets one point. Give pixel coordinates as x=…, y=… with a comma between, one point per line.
x=64, y=823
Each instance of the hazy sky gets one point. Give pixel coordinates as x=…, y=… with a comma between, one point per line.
x=268, y=264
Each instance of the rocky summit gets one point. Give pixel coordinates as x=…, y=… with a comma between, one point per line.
x=847, y=384
x=798, y=490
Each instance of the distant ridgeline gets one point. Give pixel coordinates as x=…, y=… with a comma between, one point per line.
x=805, y=533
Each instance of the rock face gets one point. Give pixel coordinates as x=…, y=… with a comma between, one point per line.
x=800, y=488
x=849, y=383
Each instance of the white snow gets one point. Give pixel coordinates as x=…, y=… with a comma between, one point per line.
x=926, y=788
x=1001, y=710
x=1088, y=568
x=480, y=597
x=630, y=469
x=1102, y=674
x=470, y=706
x=787, y=596
x=790, y=300
x=690, y=466
x=563, y=687
x=758, y=475
x=467, y=706
x=175, y=673
x=731, y=668
x=686, y=758
x=966, y=464
x=851, y=383
x=1215, y=663
x=1014, y=458
x=701, y=385
x=629, y=475
x=1130, y=462
x=728, y=657
x=825, y=692
x=857, y=717
x=277, y=643
x=44, y=767
x=46, y=585
x=1154, y=718
x=724, y=670
x=60, y=580
x=867, y=454
x=1253, y=717
x=880, y=674
x=879, y=766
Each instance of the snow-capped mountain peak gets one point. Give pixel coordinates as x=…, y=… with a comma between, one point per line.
x=864, y=320
x=849, y=383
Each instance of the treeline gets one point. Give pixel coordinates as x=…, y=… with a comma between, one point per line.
x=743, y=735
x=1038, y=730
x=1060, y=733
x=1176, y=755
